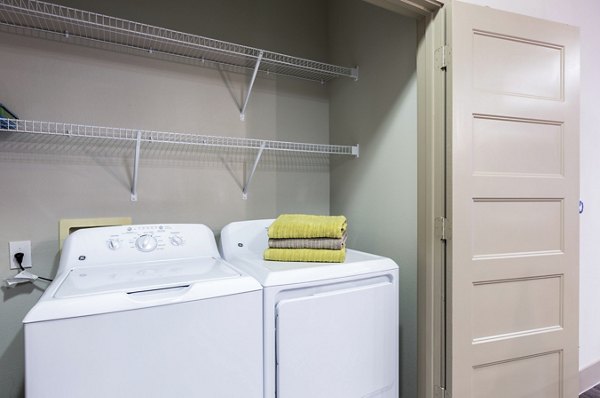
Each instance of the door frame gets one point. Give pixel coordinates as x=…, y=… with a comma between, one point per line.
x=433, y=159
x=431, y=208
x=431, y=198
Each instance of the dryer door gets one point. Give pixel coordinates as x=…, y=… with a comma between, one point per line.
x=339, y=344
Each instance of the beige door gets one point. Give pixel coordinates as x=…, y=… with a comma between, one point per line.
x=513, y=185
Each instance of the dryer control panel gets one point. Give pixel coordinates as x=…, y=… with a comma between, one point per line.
x=137, y=243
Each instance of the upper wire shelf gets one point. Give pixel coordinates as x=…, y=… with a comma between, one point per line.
x=68, y=24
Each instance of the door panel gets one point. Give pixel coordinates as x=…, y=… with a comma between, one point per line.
x=509, y=227
x=512, y=195
x=516, y=306
x=503, y=64
x=523, y=377
x=535, y=147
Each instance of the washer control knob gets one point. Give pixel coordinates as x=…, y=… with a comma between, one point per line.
x=113, y=244
x=146, y=243
x=176, y=240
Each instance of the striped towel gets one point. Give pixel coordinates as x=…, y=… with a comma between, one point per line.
x=306, y=255
x=309, y=243
x=307, y=226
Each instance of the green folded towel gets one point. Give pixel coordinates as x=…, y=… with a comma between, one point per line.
x=306, y=255
x=307, y=226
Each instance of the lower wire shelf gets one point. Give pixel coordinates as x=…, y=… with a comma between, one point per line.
x=138, y=136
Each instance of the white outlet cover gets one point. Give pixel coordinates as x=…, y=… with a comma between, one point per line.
x=22, y=246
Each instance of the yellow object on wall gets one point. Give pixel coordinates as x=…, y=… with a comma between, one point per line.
x=67, y=226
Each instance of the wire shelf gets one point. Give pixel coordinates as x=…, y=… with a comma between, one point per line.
x=57, y=22
x=10, y=126
x=112, y=133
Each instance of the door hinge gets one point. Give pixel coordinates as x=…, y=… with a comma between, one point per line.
x=442, y=228
x=442, y=57
x=441, y=392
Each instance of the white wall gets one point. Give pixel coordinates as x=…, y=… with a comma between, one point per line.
x=44, y=179
x=586, y=15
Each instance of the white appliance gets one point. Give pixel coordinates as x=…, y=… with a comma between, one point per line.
x=330, y=330
x=145, y=311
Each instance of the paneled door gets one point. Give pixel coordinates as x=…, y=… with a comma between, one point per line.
x=512, y=203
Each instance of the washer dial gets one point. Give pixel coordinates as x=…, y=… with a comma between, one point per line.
x=176, y=240
x=113, y=244
x=146, y=243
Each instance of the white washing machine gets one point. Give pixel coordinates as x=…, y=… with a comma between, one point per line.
x=330, y=330
x=145, y=311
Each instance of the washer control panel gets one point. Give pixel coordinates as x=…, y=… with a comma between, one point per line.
x=146, y=238
x=127, y=244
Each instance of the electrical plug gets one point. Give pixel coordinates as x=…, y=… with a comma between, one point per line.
x=19, y=259
x=23, y=276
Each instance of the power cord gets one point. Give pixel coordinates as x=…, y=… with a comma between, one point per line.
x=19, y=258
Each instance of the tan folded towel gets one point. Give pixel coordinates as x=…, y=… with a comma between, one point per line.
x=309, y=243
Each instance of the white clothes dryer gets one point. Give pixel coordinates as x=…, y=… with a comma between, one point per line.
x=145, y=311
x=330, y=330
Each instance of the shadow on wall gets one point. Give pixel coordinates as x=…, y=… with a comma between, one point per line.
x=12, y=359
x=11, y=376
x=117, y=157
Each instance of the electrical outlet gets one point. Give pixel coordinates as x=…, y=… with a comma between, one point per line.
x=23, y=246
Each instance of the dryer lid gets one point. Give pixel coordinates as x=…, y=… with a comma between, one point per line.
x=243, y=243
x=140, y=277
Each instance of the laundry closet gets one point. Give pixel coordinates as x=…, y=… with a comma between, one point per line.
x=51, y=177
x=487, y=198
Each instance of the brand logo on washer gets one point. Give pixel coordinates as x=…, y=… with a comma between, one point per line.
x=81, y=258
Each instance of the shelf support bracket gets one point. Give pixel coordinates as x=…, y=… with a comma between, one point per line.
x=136, y=163
x=258, y=61
x=247, y=184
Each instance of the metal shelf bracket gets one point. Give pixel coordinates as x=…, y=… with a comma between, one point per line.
x=247, y=184
x=354, y=73
x=136, y=163
x=254, y=73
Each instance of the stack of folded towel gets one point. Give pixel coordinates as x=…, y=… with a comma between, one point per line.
x=301, y=237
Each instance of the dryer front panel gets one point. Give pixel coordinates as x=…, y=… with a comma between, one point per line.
x=339, y=343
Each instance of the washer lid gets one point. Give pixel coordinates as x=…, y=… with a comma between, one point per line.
x=133, y=278
x=132, y=286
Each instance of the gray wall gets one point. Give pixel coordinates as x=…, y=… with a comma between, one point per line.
x=44, y=179
x=377, y=192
